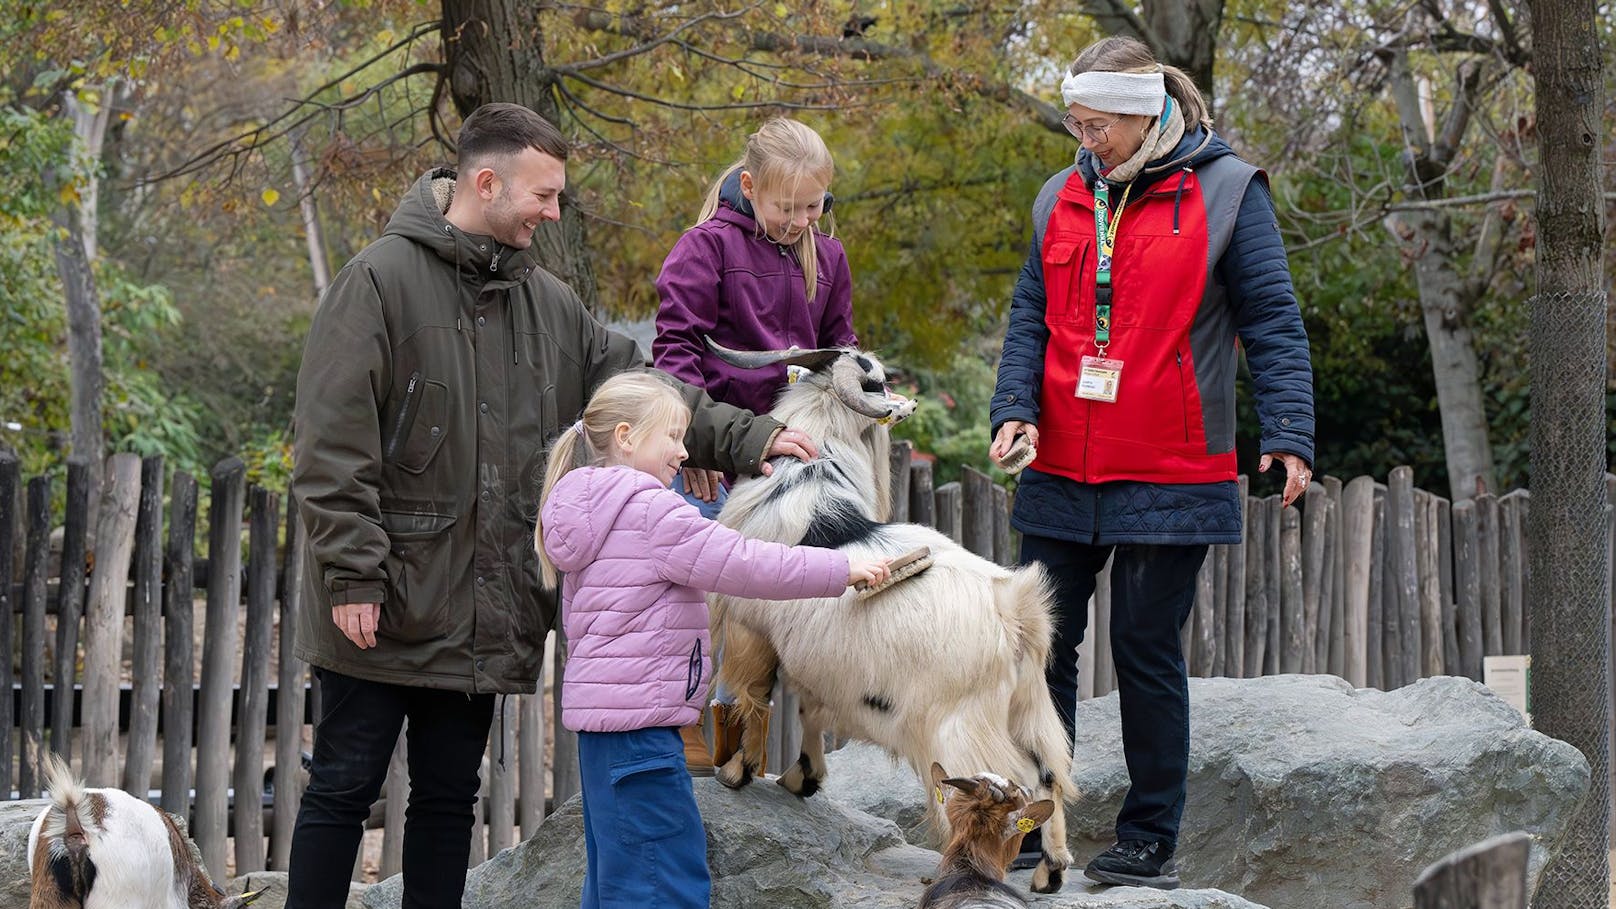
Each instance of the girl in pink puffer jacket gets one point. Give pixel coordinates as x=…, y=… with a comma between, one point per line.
x=638, y=561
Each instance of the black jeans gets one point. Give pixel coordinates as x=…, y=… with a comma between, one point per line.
x=1152, y=593
x=353, y=742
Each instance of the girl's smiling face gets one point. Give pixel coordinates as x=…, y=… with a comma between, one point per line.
x=659, y=452
x=785, y=212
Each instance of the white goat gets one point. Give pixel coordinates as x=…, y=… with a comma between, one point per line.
x=947, y=666
x=106, y=849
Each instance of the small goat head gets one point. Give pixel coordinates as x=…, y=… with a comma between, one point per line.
x=988, y=814
x=857, y=378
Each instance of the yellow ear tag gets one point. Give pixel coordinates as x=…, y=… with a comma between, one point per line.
x=1026, y=824
x=938, y=792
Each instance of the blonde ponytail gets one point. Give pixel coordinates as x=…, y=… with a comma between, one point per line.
x=647, y=401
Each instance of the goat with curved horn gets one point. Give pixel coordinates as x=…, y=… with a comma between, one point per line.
x=846, y=375
x=815, y=358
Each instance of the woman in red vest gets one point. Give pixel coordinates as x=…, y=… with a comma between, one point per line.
x=1156, y=259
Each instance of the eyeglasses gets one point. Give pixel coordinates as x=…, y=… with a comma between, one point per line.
x=1094, y=133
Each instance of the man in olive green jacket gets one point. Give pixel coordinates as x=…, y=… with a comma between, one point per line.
x=440, y=364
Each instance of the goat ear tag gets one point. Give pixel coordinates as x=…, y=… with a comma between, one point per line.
x=1026, y=824
x=793, y=373
x=938, y=792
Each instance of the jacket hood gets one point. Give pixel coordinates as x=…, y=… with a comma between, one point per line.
x=584, y=507
x=1198, y=147
x=420, y=218
x=730, y=194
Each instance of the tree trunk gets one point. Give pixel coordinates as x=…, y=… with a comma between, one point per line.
x=83, y=341
x=494, y=53
x=1446, y=298
x=1567, y=547
x=312, y=234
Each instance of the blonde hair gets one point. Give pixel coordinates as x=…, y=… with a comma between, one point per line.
x=647, y=401
x=1121, y=54
x=781, y=151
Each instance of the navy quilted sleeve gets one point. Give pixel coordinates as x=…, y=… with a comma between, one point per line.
x=1021, y=365
x=1257, y=274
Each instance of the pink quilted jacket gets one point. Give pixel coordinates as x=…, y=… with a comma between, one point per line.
x=638, y=561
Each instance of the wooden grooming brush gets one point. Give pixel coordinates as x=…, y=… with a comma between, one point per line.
x=901, y=567
x=1021, y=454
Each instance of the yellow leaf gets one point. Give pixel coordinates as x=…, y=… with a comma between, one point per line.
x=233, y=53
x=68, y=194
x=781, y=11
x=270, y=196
x=738, y=92
x=385, y=36
x=375, y=194
x=213, y=42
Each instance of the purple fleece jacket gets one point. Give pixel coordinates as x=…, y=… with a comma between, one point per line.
x=638, y=560
x=723, y=279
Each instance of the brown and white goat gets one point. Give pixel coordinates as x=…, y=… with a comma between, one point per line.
x=988, y=817
x=946, y=666
x=106, y=849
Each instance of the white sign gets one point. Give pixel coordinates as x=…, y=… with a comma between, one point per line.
x=1510, y=677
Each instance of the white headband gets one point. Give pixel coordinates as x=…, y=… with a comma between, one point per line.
x=1116, y=93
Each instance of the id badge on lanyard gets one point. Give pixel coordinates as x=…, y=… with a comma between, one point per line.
x=1101, y=376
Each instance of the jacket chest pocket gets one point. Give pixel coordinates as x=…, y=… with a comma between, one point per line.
x=1068, y=280
x=1158, y=281
x=418, y=427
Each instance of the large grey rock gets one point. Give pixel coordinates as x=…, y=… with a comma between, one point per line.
x=16, y=819
x=1305, y=792
x=770, y=849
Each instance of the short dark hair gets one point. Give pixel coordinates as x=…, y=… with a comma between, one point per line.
x=500, y=129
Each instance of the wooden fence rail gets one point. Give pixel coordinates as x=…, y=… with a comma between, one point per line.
x=1380, y=583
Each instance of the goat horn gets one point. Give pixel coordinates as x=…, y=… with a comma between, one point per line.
x=845, y=378
x=756, y=359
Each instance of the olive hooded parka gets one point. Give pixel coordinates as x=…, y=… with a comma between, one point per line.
x=438, y=368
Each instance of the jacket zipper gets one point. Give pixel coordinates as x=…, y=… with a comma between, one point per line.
x=1183, y=395
x=405, y=420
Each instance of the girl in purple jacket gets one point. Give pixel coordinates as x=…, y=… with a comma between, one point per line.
x=756, y=272
x=638, y=560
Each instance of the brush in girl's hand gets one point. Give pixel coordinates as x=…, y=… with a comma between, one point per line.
x=1021, y=454
x=901, y=568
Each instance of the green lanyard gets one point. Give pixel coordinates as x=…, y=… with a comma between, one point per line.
x=1106, y=234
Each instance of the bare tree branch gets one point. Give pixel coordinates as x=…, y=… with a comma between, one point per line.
x=238, y=146
x=1046, y=114
x=1118, y=18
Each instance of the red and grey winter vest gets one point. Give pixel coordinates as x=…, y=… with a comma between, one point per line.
x=1171, y=326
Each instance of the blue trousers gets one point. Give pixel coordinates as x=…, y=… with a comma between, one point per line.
x=1152, y=593
x=643, y=836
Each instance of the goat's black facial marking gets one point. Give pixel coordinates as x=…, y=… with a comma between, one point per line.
x=878, y=703
x=73, y=878
x=864, y=363
x=810, y=785
x=834, y=528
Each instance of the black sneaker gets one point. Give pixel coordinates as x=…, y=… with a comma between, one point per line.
x=1032, y=849
x=1137, y=863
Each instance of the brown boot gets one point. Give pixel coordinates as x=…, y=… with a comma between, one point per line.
x=698, y=760
x=727, y=735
